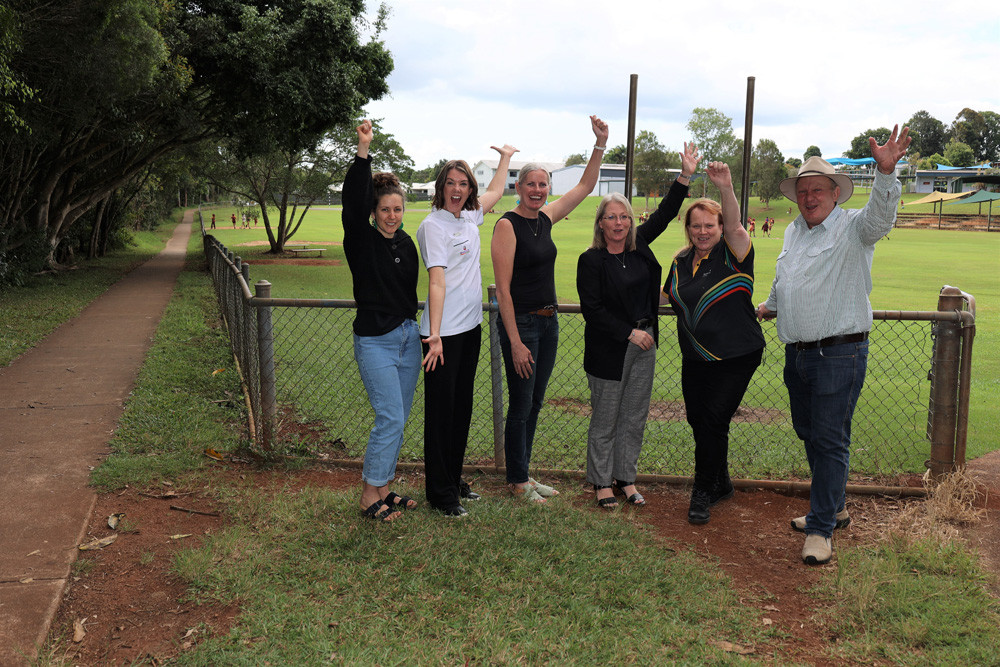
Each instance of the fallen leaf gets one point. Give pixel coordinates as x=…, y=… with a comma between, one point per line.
x=27, y=581
x=36, y=552
x=98, y=542
x=180, y=536
x=767, y=621
x=114, y=519
x=78, y=632
x=190, y=632
x=730, y=647
x=770, y=607
x=212, y=454
x=217, y=371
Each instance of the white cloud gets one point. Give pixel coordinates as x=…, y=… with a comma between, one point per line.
x=477, y=73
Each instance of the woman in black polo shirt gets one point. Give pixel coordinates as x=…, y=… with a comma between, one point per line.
x=618, y=279
x=710, y=286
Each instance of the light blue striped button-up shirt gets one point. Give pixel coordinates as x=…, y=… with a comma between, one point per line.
x=823, y=275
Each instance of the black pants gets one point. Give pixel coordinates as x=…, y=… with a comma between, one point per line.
x=448, y=399
x=712, y=393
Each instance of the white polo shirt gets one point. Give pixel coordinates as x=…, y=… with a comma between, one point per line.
x=453, y=243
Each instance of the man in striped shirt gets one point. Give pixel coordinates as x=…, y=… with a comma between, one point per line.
x=820, y=297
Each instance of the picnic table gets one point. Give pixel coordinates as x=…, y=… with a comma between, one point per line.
x=318, y=251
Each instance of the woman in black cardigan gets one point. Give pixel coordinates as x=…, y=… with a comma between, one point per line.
x=384, y=267
x=618, y=279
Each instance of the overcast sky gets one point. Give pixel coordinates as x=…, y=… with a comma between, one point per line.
x=472, y=73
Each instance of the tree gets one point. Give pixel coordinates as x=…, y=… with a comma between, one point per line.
x=933, y=161
x=428, y=174
x=968, y=128
x=712, y=132
x=122, y=83
x=650, y=164
x=959, y=154
x=860, y=148
x=12, y=88
x=767, y=168
x=927, y=133
x=615, y=154
x=812, y=151
x=576, y=158
x=990, y=148
x=794, y=162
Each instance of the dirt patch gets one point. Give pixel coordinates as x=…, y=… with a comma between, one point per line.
x=134, y=609
x=672, y=411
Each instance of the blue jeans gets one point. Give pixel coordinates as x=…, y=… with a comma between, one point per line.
x=540, y=334
x=823, y=387
x=389, y=366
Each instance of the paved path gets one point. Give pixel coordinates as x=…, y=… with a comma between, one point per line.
x=59, y=405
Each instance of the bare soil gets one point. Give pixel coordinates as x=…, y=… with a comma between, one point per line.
x=134, y=610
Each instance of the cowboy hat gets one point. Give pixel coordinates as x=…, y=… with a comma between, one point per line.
x=817, y=166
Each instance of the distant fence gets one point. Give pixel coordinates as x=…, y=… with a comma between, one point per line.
x=297, y=364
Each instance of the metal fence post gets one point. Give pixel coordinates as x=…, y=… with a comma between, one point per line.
x=496, y=379
x=942, y=415
x=265, y=350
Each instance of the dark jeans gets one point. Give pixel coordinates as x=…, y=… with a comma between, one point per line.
x=525, y=396
x=712, y=393
x=823, y=388
x=448, y=398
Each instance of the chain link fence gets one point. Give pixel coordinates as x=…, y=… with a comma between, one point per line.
x=317, y=390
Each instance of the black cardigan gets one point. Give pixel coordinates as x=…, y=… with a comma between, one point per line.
x=607, y=323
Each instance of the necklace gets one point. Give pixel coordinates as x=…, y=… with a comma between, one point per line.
x=534, y=228
x=620, y=257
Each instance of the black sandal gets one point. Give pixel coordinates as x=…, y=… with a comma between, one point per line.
x=374, y=514
x=399, y=502
x=635, y=499
x=608, y=503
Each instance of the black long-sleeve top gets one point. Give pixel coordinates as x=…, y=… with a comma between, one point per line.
x=607, y=305
x=384, y=270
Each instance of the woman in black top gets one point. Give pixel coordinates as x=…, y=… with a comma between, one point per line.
x=524, y=259
x=618, y=279
x=383, y=261
x=710, y=286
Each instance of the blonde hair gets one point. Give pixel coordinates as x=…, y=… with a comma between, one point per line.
x=617, y=198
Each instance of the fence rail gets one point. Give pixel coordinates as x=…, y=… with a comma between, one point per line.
x=296, y=360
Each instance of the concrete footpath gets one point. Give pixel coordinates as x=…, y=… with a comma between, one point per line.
x=59, y=405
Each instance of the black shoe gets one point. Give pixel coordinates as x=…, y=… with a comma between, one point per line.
x=455, y=512
x=724, y=490
x=465, y=491
x=700, y=502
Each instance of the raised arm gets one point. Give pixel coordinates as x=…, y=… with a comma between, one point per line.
x=563, y=206
x=357, y=195
x=888, y=154
x=494, y=190
x=737, y=237
x=670, y=205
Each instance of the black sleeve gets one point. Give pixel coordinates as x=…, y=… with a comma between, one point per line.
x=593, y=303
x=357, y=195
x=668, y=209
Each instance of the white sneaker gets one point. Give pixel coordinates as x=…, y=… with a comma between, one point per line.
x=817, y=550
x=843, y=519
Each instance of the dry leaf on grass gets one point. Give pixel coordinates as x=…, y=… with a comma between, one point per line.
x=730, y=647
x=98, y=543
x=212, y=454
x=114, y=519
x=218, y=370
x=180, y=536
x=78, y=631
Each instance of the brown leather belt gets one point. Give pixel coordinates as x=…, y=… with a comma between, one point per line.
x=833, y=340
x=547, y=311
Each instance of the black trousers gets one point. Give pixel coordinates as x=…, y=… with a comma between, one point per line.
x=448, y=396
x=712, y=393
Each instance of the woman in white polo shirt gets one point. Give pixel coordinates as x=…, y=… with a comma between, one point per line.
x=451, y=324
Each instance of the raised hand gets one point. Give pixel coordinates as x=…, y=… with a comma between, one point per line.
x=600, y=130
x=894, y=148
x=506, y=150
x=365, y=132
x=689, y=159
x=718, y=173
